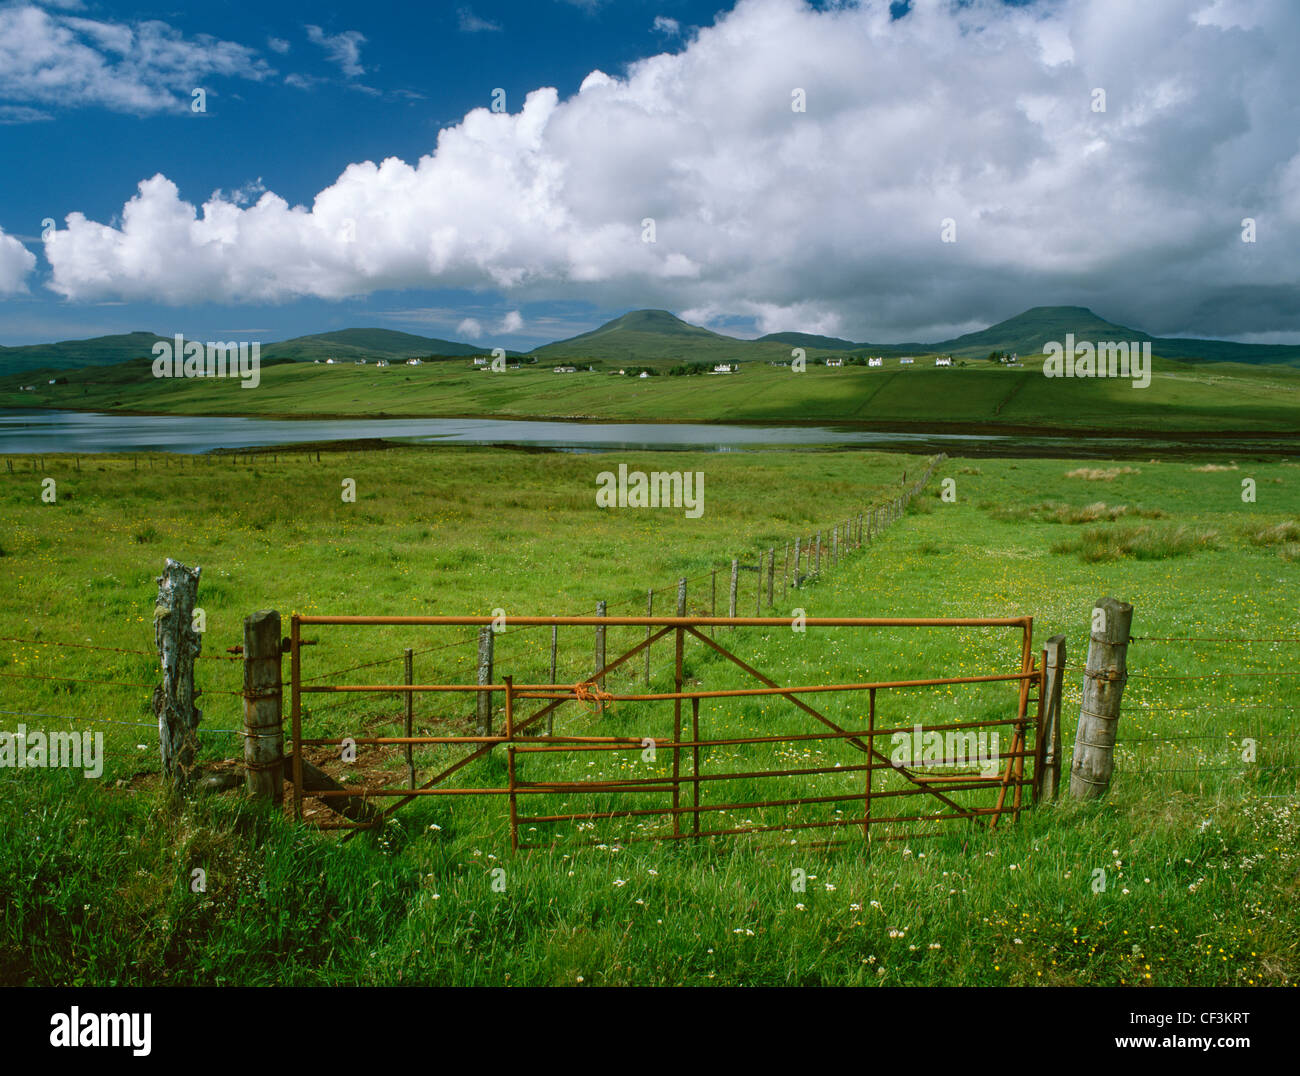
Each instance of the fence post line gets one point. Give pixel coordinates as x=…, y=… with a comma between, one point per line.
x=485, y=637
x=1049, y=783
x=771, y=575
x=785, y=573
x=600, y=654
x=1103, y=686
x=263, y=707
x=735, y=573
x=817, y=570
x=835, y=546
x=796, y=564
x=408, y=668
x=178, y=647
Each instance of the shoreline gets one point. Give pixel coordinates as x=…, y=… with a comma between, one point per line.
x=1282, y=439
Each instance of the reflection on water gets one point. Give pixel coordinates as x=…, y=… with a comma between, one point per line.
x=37, y=431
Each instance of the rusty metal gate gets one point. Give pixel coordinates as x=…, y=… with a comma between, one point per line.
x=683, y=797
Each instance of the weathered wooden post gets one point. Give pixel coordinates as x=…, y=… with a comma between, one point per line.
x=1103, y=686
x=485, y=636
x=817, y=570
x=681, y=597
x=263, y=723
x=178, y=647
x=796, y=564
x=835, y=546
x=600, y=654
x=735, y=572
x=771, y=575
x=785, y=573
x=1050, y=780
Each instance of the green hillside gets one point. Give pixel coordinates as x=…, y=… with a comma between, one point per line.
x=365, y=344
x=67, y=354
x=1205, y=399
x=658, y=337
x=1025, y=334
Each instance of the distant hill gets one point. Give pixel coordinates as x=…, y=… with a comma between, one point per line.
x=365, y=344
x=69, y=354
x=657, y=336
x=1026, y=334
x=810, y=340
x=347, y=344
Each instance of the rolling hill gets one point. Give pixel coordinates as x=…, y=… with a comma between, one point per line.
x=660, y=338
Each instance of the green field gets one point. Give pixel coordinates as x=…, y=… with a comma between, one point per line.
x=980, y=397
x=1199, y=847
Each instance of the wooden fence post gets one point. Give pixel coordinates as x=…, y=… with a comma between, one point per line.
x=735, y=573
x=771, y=575
x=485, y=636
x=681, y=597
x=263, y=723
x=178, y=646
x=1049, y=782
x=817, y=570
x=1103, y=686
x=835, y=546
x=796, y=564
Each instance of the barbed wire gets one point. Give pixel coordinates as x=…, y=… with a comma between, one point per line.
x=1209, y=639
x=106, y=720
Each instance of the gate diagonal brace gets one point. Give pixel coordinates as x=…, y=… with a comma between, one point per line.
x=855, y=741
x=520, y=726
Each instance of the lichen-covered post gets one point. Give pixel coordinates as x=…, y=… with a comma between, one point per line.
x=178, y=646
x=1103, y=686
x=263, y=687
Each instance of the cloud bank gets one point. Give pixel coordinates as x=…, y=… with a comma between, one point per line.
x=978, y=123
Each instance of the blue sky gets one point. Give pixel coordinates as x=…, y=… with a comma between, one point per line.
x=261, y=215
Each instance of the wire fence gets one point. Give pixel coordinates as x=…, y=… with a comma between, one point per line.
x=858, y=529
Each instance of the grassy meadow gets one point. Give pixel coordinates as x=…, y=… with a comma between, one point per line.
x=1205, y=398
x=1185, y=873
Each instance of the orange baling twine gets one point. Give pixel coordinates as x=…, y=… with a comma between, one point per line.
x=590, y=695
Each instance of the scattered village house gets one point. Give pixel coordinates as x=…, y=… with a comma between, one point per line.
x=566, y=369
x=725, y=368
x=943, y=360
x=834, y=362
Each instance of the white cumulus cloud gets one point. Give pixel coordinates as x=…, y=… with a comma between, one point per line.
x=827, y=218
x=16, y=262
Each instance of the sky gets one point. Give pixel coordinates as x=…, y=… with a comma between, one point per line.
x=510, y=173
